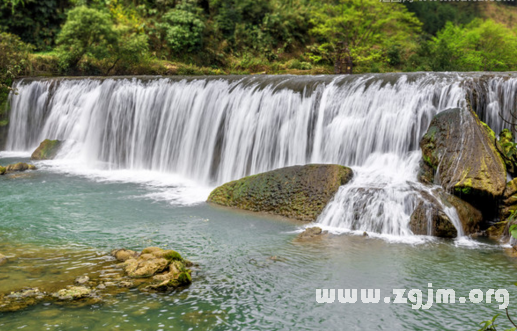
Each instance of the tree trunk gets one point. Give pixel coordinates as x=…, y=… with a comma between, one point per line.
x=343, y=63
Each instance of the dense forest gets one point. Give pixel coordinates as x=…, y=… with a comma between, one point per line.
x=118, y=37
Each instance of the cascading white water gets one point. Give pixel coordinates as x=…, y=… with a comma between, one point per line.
x=213, y=130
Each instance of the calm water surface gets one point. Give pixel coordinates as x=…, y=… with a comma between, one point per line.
x=54, y=223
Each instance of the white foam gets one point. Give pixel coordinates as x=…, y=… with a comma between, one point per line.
x=411, y=240
x=14, y=154
x=162, y=186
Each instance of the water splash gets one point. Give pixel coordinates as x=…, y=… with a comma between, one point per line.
x=213, y=130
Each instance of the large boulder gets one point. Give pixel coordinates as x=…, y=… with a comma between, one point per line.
x=430, y=217
x=507, y=150
x=299, y=192
x=461, y=152
x=47, y=150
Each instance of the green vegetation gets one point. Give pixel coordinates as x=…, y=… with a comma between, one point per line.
x=214, y=37
x=189, y=37
x=14, y=60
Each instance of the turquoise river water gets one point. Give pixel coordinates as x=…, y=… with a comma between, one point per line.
x=57, y=222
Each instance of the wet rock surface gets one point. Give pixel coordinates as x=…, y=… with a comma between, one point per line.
x=152, y=270
x=17, y=167
x=298, y=192
x=312, y=233
x=3, y=259
x=430, y=216
x=461, y=153
x=47, y=150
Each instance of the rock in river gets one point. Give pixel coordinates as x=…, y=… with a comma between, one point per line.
x=461, y=151
x=20, y=166
x=430, y=217
x=3, y=259
x=47, y=150
x=299, y=192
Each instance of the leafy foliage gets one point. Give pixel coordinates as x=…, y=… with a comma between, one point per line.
x=35, y=21
x=91, y=33
x=87, y=31
x=486, y=46
x=367, y=27
x=242, y=36
x=434, y=15
x=183, y=27
x=14, y=60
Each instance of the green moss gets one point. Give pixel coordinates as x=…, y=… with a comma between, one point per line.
x=171, y=255
x=299, y=192
x=184, y=278
x=491, y=132
x=47, y=150
x=2, y=170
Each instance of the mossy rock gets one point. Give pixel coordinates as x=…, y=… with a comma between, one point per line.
x=429, y=217
x=462, y=151
x=508, y=204
x=3, y=170
x=298, y=192
x=73, y=293
x=18, y=167
x=47, y=150
x=506, y=148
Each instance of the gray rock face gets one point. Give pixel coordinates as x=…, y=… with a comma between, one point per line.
x=430, y=218
x=461, y=150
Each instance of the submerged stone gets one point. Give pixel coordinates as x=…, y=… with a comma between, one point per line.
x=157, y=270
x=123, y=254
x=3, y=259
x=310, y=233
x=73, y=293
x=47, y=150
x=81, y=280
x=299, y=192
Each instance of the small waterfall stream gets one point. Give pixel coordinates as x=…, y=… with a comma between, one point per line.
x=216, y=129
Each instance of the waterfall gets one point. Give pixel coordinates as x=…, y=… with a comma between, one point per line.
x=215, y=129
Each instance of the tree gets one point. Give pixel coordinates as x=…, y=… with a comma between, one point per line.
x=183, y=27
x=360, y=31
x=479, y=45
x=14, y=60
x=91, y=33
x=35, y=21
x=86, y=32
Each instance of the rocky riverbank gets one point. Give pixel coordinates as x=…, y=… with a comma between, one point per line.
x=151, y=270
